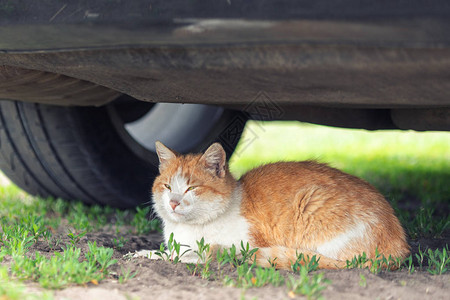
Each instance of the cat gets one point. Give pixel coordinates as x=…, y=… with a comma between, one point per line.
x=283, y=209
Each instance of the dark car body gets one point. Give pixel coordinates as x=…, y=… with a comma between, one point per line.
x=88, y=86
x=364, y=64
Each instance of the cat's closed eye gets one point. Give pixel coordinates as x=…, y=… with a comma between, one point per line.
x=190, y=188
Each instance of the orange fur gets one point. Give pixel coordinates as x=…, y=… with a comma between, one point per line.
x=294, y=207
x=300, y=205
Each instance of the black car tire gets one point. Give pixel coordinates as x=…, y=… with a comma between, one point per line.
x=80, y=153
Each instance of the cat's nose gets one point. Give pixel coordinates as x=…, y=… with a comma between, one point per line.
x=174, y=204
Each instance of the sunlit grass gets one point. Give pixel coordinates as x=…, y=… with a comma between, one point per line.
x=399, y=163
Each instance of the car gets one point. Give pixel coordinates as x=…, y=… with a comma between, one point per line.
x=87, y=87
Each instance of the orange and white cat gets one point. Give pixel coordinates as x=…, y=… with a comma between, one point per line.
x=282, y=208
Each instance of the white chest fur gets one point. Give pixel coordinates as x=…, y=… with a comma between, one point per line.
x=230, y=228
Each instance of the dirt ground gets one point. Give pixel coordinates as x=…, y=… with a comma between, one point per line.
x=163, y=280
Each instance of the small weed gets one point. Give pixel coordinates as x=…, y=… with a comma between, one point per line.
x=311, y=287
x=254, y=276
x=100, y=256
x=362, y=281
x=203, y=251
x=359, y=261
x=34, y=225
x=126, y=275
x=75, y=237
x=377, y=263
x=438, y=261
x=119, y=243
x=120, y=217
x=420, y=256
x=272, y=262
x=142, y=224
x=424, y=223
x=174, y=251
x=399, y=262
x=202, y=267
x=16, y=239
x=310, y=264
x=53, y=242
x=264, y=276
x=60, y=207
x=99, y=214
x=225, y=256
x=78, y=218
x=203, y=270
x=408, y=263
x=232, y=257
x=222, y=259
x=247, y=254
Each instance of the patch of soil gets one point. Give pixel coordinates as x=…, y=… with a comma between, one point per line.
x=163, y=280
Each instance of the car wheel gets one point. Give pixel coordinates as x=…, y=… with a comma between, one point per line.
x=103, y=155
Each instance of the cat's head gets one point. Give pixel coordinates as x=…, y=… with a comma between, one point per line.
x=193, y=188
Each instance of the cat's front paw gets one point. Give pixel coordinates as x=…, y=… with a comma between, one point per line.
x=189, y=258
x=150, y=254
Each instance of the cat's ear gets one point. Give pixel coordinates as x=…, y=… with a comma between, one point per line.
x=165, y=155
x=215, y=159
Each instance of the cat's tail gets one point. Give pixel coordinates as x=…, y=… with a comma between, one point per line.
x=284, y=258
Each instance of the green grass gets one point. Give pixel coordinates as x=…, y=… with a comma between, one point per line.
x=248, y=275
x=13, y=290
x=423, y=222
x=399, y=163
x=126, y=274
x=26, y=220
x=438, y=260
x=64, y=268
x=309, y=286
x=251, y=275
x=435, y=262
x=411, y=169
